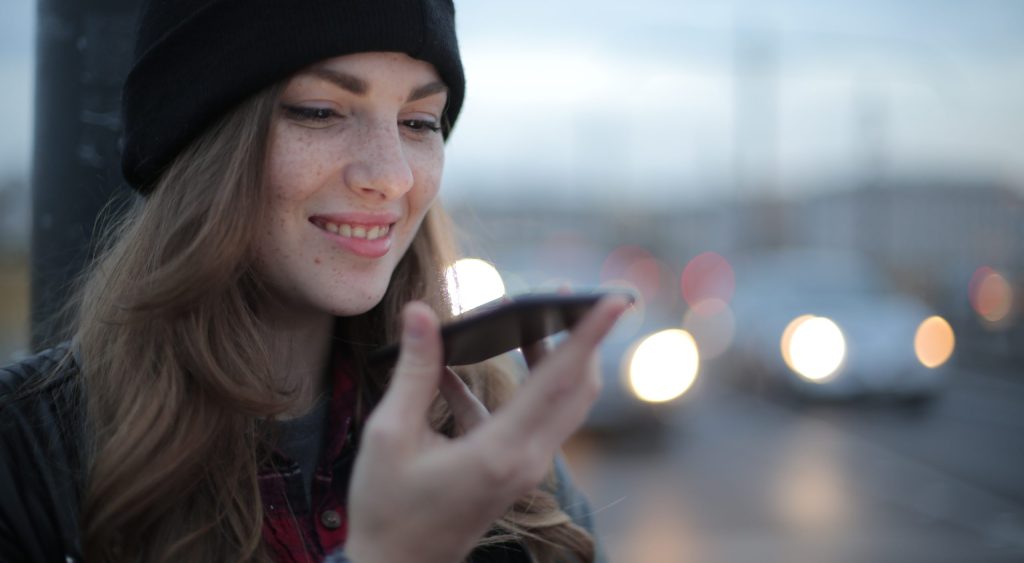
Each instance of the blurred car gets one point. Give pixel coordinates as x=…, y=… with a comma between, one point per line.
x=649, y=365
x=827, y=325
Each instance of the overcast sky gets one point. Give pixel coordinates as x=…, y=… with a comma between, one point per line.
x=586, y=97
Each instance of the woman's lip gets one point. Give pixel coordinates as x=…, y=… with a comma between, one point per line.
x=356, y=218
x=375, y=248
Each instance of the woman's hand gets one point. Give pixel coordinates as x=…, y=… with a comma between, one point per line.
x=419, y=496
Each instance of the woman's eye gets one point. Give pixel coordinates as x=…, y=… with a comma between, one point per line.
x=421, y=125
x=311, y=114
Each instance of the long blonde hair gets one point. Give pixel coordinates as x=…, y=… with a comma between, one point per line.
x=176, y=367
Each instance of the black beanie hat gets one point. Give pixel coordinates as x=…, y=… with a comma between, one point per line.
x=197, y=59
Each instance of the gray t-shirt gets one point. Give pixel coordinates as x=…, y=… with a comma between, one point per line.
x=302, y=440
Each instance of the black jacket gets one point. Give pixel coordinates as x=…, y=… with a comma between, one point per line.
x=41, y=470
x=40, y=467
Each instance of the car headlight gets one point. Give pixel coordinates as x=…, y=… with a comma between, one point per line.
x=813, y=347
x=663, y=366
x=934, y=342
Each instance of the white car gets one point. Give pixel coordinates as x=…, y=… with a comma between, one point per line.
x=825, y=324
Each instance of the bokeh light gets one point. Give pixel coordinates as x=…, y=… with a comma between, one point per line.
x=708, y=276
x=646, y=274
x=816, y=348
x=471, y=283
x=514, y=283
x=810, y=485
x=636, y=266
x=663, y=366
x=619, y=260
x=934, y=342
x=713, y=326
x=787, y=336
x=991, y=295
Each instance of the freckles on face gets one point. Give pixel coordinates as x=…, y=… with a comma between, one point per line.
x=295, y=163
x=367, y=164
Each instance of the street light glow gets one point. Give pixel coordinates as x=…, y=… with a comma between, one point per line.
x=471, y=283
x=934, y=342
x=663, y=366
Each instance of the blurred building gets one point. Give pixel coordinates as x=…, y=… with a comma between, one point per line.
x=930, y=236
x=932, y=228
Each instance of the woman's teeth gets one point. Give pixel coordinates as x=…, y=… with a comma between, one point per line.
x=358, y=231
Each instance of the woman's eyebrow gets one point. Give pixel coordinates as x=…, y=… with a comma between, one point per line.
x=342, y=80
x=358, y=86
x=426, y=90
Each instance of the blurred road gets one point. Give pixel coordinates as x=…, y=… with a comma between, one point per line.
x=739, y=478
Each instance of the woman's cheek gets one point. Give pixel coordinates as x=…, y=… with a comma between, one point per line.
x=432, y=168
x=295, y=161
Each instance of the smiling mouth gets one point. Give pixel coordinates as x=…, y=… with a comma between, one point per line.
x=355, y=231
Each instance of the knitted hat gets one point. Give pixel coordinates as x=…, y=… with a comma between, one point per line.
x=197, y=59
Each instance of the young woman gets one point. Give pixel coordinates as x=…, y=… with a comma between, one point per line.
x=213, y=402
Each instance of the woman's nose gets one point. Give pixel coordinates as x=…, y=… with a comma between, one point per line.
x=379, y=167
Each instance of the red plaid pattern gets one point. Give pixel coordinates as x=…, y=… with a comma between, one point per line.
x=294, y=531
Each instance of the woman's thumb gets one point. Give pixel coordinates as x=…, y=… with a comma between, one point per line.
x=418, y=371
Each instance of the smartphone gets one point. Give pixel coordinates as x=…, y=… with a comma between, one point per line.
x=506, y=324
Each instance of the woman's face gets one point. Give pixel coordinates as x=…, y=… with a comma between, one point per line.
x=355, y=160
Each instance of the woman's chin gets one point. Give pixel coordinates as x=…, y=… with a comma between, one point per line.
x=355, y=303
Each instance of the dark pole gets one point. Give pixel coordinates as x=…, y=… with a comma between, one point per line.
x=83, y=53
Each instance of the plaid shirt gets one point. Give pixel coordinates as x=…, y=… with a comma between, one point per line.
x=294, y=531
